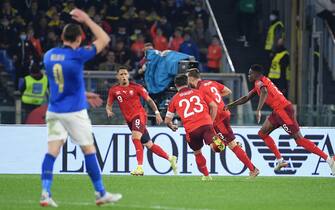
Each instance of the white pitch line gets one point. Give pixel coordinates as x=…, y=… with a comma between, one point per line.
x=115, y=204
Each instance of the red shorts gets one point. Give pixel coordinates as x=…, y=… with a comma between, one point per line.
x=224, y=131
x=285, y=118
x=138, y=124
x=196, y=138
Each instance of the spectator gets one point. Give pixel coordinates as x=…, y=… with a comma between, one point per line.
x=92, y=11
x=137, y=48
x=109, y=64
x=214, y=55
x=127, y=4
x=18, y=23
x=172, y=13
x=201, y=36
x=33, y=89
x=280, y=71
x=32, y=13
x=55, y=21
x=201, y=13
x=275, y=32
x=121, y=35
x=22, y=52
x=51, y=11
x=51, y=40
x=246, y=13
x=7, y=11
x=187, y=10
x=165, y=26
x=130, y=14
x=35, y=42
x=189, y=47
x=114, y=13
x=122, y=55
x=104, y=24
x=6, y=34
x=159, y=40
x=176, y=40
x=141, y=22
x=41, y=29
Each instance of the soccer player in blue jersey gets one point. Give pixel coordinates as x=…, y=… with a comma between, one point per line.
x=67, y=114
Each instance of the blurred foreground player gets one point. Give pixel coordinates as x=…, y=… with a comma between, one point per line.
x=216, y=91
x=282, y=115
x=128, y=96
x=67, y=110
x=191, y=106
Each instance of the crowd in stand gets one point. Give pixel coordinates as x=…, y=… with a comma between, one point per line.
x=29, y=28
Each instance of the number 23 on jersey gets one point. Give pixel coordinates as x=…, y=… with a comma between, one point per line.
x=191, y=106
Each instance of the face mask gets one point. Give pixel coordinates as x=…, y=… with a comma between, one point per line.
x=23, y=36
x=272, y=17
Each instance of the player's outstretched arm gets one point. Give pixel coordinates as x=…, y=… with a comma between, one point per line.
x=102, y=38
x=241, y=100
x=153, y=106
x=94, y=99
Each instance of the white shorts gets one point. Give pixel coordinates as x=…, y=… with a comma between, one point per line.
x=77, y=125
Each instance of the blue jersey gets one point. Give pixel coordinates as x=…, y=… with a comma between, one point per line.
x=64, y=67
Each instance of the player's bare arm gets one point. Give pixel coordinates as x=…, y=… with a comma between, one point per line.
x=225, y=92
x=168, y=122
x=262, y=98
x=109, y=110
x=153, y=106
x=241, y=100
x=102, y=38
x=213, y=109
x=94, y=99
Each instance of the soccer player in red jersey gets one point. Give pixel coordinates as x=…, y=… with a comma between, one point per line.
x=221, y=123
x=282, y=115
x=191, y=106
x=128, y=96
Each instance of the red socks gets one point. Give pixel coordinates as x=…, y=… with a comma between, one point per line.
x=240, y=153
x=159, y=151
x=270, y=143
x=139, y=151
x=201, y=163
x=311, y=147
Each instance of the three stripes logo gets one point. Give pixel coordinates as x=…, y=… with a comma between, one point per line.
x=294, y=155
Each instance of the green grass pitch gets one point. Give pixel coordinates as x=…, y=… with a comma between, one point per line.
x=174, y=192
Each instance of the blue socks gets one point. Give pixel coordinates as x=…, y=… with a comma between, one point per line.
x=92, y=168
x=94, y=172
x=46, y=176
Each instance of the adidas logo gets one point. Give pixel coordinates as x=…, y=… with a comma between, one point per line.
x=294, y=155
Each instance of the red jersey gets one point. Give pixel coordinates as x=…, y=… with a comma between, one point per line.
x=213, y=90
x=276, y=100
x=191, y=107
x=128, y=98
x=175, y=43
x=214, y=55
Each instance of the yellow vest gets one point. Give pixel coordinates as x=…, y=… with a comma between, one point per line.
x=275, y=66
x=35, y=90
x=271, y=34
